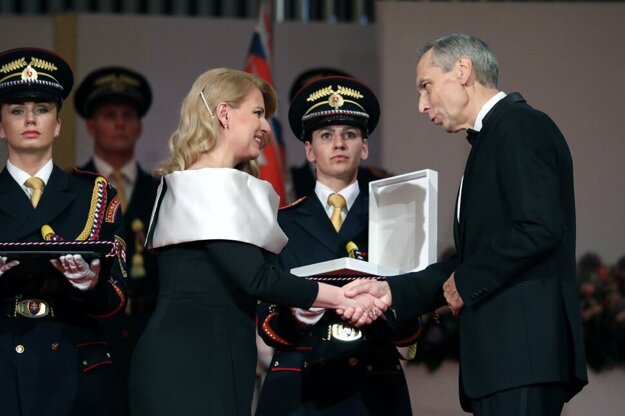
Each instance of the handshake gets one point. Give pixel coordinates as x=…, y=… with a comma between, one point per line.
x=360, y=302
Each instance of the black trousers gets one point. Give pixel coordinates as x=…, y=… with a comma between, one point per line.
x=534, y=400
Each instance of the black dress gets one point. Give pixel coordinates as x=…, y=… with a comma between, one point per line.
x=197, y=355
x=123, y=330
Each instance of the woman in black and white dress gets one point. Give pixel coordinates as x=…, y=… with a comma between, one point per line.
x=212, y=222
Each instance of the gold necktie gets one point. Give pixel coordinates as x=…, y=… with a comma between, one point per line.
x=338, y=202
x=36, y=184
x=118, y=183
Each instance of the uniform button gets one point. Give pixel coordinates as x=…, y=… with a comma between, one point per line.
x=84, y=362
x=54, y=346
x=305, y=364
x=369, y=367
x=108, y=355
x=275, y=363
x=353, y=361
x=398, y=367
x=19, y=349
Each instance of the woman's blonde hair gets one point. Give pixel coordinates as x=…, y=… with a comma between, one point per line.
x=198, y=127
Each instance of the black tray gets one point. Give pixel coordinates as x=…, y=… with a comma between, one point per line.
x=34, y=257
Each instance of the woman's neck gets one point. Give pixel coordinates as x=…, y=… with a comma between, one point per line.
x=216, y=158
x=30, y=163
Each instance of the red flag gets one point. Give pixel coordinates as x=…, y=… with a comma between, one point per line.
x=272, y=160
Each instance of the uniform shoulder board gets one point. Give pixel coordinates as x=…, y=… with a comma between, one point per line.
x=294, y=203
x=89, y=174
x=85, y=172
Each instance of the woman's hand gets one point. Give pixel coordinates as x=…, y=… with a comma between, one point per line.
x=308, y=317
x=362, y=309
x=379, y=291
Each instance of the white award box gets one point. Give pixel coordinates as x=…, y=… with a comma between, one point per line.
x=402, y=229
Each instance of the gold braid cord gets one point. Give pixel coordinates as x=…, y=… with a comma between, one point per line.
x=98, y=200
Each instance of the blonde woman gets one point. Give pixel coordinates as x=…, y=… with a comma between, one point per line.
x=211, y=224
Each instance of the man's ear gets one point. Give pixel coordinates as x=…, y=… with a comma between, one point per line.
x=140, y=129
x=90, y=124
x=464, y=68
x=364, y=152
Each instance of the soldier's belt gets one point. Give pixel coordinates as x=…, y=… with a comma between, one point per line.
x=342, y=332
x=28, y=308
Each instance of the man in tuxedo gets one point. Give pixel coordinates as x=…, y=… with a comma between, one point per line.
x=113, y=100
x=323, y=366
x=512, y=280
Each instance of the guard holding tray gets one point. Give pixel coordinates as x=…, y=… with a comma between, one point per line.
x=323, y=366
x=53, y=359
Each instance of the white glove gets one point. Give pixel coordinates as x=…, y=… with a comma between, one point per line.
x=5, y=267
x=79, y=274
x=308, y=316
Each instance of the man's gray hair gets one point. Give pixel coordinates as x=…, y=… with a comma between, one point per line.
x=447, y=49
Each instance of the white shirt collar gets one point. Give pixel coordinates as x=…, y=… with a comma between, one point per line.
x=129, y=170
x=20, y=176
x=350, y=193
x=486, y=108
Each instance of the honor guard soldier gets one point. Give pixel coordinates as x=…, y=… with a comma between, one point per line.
x=303, y=176
x=323, y=366
x=53, y=358
x=113, y=100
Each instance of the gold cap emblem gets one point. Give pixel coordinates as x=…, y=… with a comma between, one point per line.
x=29, y=73
x=336, y=100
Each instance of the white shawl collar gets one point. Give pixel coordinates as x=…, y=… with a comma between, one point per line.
x=215, y=204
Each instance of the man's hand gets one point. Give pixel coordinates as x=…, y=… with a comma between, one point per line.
x=454, y=301
x=380, y=290
x=366, y=291
x=76, y=270
x=6, y=266
x=362, y=309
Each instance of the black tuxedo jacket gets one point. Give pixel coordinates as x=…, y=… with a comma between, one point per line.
x=515, y=261
x=64, y=366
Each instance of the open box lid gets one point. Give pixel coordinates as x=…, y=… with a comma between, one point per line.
x=403, y=220
x=402, y=230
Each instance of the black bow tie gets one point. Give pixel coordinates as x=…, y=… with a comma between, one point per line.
x=472, y=136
